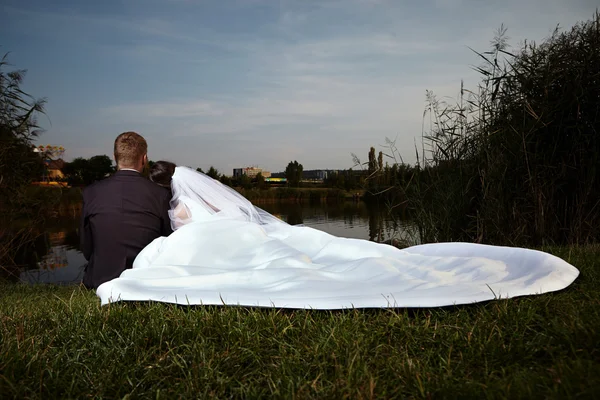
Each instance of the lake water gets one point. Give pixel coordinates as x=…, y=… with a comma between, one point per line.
x=55, y=258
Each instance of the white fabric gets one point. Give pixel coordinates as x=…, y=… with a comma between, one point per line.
x=197, y=196
x=226, y=257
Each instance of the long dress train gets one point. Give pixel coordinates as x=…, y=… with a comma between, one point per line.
x=248, y=258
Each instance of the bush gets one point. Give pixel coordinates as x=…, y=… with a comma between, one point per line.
x=517, y=161
x=22, y=207
x=19, y=165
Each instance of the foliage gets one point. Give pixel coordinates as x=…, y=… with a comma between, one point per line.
x=19, y=167
x=19, y=164
x=386, y=184
x=293, y=173
x=84, y=172
x=57, y=342
x=225, y=180
x=213, y=173
x=260, y=182
x=243, y=181
x=517, y=160
x=346, y=180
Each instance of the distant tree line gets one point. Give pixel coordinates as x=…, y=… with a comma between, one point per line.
x=85, y=171
x=82, y=172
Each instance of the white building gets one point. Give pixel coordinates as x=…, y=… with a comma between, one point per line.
x=251, y=172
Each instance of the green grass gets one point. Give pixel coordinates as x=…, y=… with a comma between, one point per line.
x=57, y=342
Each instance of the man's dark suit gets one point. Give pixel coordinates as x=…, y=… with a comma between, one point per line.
x=121, y=215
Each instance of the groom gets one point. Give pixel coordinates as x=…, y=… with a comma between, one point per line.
x=121, y=214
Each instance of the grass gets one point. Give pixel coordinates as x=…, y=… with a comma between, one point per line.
x=57, y=342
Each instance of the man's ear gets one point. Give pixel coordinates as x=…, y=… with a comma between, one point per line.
x=145, y=166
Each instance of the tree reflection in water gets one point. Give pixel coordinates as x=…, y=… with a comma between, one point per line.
x=53, y=256
x=44, y=254
x=345, y=219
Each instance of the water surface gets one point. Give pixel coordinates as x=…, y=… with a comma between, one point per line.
x=55, y=258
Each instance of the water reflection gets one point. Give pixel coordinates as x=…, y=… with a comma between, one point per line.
x=54, y=257
x=62, y=265
x=349, y=219
x=48, y=253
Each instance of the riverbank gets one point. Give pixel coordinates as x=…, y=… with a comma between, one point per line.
x=66, y=202
x=47, y=202
x=58, y=342
x=315, y=194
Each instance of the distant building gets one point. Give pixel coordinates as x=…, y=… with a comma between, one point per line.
x=315, y=175
x=54, y=169
x=53, y=164
x=250, y=172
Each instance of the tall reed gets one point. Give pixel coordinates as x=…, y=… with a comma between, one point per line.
x=22, y=207
x=516, y=161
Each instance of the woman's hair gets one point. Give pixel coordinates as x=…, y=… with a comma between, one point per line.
x=162, y=172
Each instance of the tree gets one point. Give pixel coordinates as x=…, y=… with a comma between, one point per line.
x=372, y=169
x=199, y=170
x=101, y=166
x=76, y=171
x=260, y=181
x=380, y=167
x=225, y=180
x=83, y=171
x=293, y=173
x=245, y=181
x=352, y=180
x=19, y=164
x=213, y=173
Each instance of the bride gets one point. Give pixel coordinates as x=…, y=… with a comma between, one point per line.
x=224, y=250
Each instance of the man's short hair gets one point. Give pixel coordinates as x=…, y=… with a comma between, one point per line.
x=130, y=148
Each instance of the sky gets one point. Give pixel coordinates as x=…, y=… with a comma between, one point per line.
x=234, y=83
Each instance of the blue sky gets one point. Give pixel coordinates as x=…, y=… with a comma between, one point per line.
x=232, y=83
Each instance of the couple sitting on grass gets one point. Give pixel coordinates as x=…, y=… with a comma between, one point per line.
x=182, y=237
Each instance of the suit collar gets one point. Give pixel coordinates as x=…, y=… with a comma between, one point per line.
x=127, y=172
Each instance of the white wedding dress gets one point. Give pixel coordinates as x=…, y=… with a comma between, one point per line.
x=225, y=251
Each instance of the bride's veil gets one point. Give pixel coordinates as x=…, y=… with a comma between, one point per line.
x=215, y=197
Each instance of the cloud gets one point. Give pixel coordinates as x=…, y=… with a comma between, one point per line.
x=164, y=110
x=262, y=82
x=347, y=91
x=446, y=4
x=119, y=30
